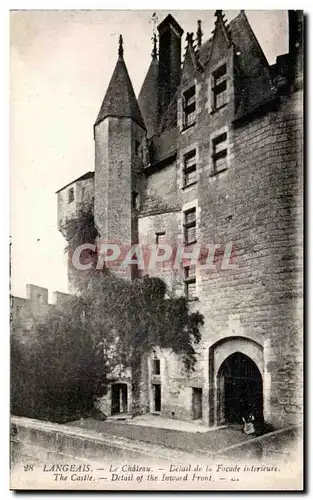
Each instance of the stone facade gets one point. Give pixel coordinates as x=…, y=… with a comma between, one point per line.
x=25, y=311
x=242, y=122
x=73, y=196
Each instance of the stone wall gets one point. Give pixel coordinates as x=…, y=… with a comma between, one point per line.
x=256, y=204
x=25, y=311
x=83, y=193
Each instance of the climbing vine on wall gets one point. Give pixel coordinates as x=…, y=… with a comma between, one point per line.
x=111, y=323
x=80, y=228
x=140, y=313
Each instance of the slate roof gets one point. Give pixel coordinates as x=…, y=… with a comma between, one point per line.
x=87, y=175
x=148, y=98
x=120, y=100
x=253, y=77
x=253, y=80
x=163, y=145
x=169, y=118
x=253, y=83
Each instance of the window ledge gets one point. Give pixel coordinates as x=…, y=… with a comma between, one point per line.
x=216, y=110
x=192, y=184
x=215, y=174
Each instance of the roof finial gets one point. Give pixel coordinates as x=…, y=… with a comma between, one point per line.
x=154, y=49
x=120, y=47
x=219, y=14
x=189, y=38
x=220, y=19
x=199, y=34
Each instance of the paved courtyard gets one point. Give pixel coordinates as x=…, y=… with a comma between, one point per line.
x=210, y=441
x=151, y=420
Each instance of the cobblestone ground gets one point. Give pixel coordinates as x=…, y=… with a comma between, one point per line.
x=212, y=441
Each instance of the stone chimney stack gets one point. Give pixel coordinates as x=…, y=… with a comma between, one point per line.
x=170, y=34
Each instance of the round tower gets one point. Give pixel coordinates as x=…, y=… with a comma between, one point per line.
x=118, y=132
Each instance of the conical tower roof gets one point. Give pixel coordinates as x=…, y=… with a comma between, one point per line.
x=120, y=100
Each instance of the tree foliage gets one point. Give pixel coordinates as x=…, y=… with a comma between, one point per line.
x=80, y=228
x=112, y=323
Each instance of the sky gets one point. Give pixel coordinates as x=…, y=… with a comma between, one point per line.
x=60, y=66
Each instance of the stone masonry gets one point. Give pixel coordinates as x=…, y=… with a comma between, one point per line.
x=242, y=122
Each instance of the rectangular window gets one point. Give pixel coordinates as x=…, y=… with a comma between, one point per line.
x=190, y=226
x=219, y=157
x=156, y=367
x=160, y=238
x=189, y=107
x=134, y=199
x=190, y=168
x=190, y=282
x=71, y=195
x=219, y=87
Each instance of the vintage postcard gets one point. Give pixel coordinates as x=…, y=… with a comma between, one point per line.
x=157, y=185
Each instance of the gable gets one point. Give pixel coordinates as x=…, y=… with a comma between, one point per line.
x=190, y=66
x=220, y=46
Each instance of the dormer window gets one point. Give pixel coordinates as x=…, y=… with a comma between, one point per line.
x=189, y=107
x=219, y=88
x=71, y=195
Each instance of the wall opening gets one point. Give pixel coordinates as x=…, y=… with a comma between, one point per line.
x=119, y=398
x=196, y=403
x=156, y=367
x=157, y=397
x=240, y=389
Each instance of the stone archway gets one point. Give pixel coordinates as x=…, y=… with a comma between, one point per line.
x=234, y=362
x=239, y=388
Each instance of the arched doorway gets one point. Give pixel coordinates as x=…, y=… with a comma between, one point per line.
x=240, y=389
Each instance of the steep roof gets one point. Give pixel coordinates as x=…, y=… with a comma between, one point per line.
x=191, y=62
x=120, y=99
x=253, y=80
x=253, y=75
x=148, y=97
x=83, y=177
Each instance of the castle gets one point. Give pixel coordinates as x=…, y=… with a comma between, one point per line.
x=211, y=152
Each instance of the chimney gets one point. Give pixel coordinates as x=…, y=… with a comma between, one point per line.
x=170, y=34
